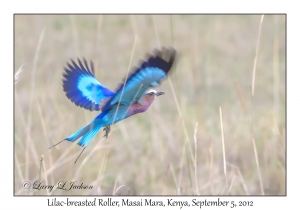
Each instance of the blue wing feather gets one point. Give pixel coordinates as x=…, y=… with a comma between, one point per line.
x=150, y=73
x=82, y=88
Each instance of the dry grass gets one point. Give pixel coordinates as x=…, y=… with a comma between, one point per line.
x=175, y=148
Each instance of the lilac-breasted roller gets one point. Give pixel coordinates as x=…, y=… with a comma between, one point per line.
x=133, y=96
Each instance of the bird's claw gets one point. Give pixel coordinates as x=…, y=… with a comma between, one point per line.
x=107, y=130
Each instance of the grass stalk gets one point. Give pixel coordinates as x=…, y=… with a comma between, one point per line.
x=127, y=73
x=195, y=163
x=29, y=144
x=17, y=74
x=175, y=180
x=252, y=97
x=258, y=168
x=40, y=171
x=211, y=167
x=223, y=149
x=44, y=169
x=256, y=53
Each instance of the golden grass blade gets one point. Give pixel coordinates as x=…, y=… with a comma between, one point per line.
x=253, y=84
x=223, y=149
x=127, y=73
x=175, y=180
x=258, y=168
x=17, y=74
x=242, y=180
x=256, y=53
x=211, y=167
x=195, y=164
x=44, y=169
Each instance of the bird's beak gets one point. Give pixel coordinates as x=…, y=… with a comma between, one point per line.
x=159, y=93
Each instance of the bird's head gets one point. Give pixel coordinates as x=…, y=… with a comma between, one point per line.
x=149, y=96
x=153, y=93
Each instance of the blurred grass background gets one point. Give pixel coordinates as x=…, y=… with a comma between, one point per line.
x=175, y=148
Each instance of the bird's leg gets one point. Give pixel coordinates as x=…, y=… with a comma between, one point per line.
x=107, y=130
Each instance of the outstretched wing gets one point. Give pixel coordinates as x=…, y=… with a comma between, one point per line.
x=150, y=73
x=83, y=88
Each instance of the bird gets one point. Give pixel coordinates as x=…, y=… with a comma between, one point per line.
x=133, y=96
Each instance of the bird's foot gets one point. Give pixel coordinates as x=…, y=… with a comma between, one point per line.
x=107, y=130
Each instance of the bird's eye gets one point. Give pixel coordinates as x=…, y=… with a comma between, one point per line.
x=151, y=93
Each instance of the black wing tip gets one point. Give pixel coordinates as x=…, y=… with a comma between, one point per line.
x=164, y=58
x=73, y=66
x=171, y=55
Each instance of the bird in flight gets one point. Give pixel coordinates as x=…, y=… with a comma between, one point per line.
x=134, y=95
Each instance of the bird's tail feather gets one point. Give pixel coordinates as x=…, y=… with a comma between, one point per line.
x=85, y=140
x=87, y=133
x=79, y=133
